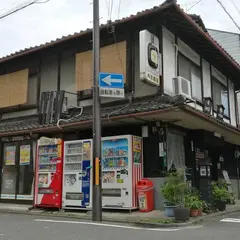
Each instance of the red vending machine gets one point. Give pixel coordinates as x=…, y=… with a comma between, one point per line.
x=48, y=178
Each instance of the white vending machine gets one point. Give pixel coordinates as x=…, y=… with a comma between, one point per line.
x=121, y=170
x=77, y=177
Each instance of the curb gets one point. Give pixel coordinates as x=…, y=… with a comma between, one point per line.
x=146, y=224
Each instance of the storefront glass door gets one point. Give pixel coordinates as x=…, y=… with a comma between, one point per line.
x=9, y=171
x=17, y=171
x=25, y=187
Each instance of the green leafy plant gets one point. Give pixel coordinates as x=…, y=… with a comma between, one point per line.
x=175, y=188
x=193, y=202
x=220, y=191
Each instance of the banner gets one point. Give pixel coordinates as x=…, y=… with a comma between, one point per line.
x=10, y=155
x=25, y=154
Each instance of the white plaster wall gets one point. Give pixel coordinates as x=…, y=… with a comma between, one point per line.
x=169, y=69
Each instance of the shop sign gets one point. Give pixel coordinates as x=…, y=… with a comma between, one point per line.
x=16, y=138
x=49, y=141
x=150, y=59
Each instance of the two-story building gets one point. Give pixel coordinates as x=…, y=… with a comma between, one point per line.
x=179, y=95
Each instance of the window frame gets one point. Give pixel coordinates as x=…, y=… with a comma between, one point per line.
x=130, y=48
x=199, y=67
x=227, y=88
x=33, y=71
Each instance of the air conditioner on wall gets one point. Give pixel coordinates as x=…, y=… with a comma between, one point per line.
x=182, y=86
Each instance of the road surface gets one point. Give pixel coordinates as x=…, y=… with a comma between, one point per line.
x=28, y=227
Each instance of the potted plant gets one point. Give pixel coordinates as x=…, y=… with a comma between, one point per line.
x=220, y=194
x=195, y=205
x=182, y=212
x=169, y=193
x=202, y=205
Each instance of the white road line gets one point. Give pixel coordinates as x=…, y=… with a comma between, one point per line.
x=108, y=225
x=232, y=220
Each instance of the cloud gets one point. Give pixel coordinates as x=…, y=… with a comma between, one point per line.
x=40, y=23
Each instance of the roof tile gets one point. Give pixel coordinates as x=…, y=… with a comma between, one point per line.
x=197, y=19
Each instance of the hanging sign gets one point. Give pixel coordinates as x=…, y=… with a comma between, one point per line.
x=25, y=154
x=10, y=155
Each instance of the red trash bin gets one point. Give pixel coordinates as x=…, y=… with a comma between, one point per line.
x=145, y=192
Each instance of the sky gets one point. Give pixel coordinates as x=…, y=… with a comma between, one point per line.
x=44, y=22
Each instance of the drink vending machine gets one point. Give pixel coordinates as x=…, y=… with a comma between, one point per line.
x=121, y=170
x=77, y=179
x=48, y=182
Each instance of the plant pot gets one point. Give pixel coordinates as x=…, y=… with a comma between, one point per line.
x=169, y=210
x=194, y=212
x=182, y=214
x=200, y=211
x=220, y=205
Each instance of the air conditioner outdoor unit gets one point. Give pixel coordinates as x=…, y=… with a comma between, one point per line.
x=182, y=86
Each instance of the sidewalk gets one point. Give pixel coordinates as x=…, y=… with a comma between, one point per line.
x=154, y=219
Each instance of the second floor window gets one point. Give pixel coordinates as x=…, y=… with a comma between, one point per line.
x=191, y=72
x=220, y=95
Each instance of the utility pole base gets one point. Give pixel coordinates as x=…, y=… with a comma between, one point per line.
x=97, y=205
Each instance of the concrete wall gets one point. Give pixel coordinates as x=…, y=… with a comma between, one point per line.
x=169, y=61
x=158, y=198
x=235, y=187
x=67, y=80
x=10, y=115
x=49, y=73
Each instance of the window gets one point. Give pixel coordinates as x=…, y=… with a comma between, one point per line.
x=192, y=72
x=220, y=96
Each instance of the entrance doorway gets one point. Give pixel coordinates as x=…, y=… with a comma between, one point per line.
x=17, y=170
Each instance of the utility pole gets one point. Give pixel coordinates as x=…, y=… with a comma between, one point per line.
x=97, y=182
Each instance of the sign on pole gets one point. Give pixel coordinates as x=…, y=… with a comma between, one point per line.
x=111, y=85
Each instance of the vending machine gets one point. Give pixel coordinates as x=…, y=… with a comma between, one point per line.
x=121, y=170
x=49, y=164
x=77, y=177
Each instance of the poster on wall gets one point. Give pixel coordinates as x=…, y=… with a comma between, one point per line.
x=137, y=149
x=25, y=154
x=10, y=155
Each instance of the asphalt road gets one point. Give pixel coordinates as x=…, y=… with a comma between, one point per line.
x=26, y=227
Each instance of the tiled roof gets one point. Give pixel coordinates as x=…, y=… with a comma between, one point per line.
x=120, y=110
x=167, y=4
x=144, y=105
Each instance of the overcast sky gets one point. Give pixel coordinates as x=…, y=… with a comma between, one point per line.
x=40, y=23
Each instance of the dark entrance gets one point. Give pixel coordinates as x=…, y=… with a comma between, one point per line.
x=207, y=154
x=17, y=170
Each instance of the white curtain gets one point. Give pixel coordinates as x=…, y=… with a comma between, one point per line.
x=175, y=151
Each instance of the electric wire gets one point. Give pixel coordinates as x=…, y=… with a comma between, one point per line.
x=193, y=5
x=21, y=7
x=235, y=5
x=119, y=8
x=230, y=16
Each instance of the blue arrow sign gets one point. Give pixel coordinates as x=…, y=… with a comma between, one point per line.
x=111, y=80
